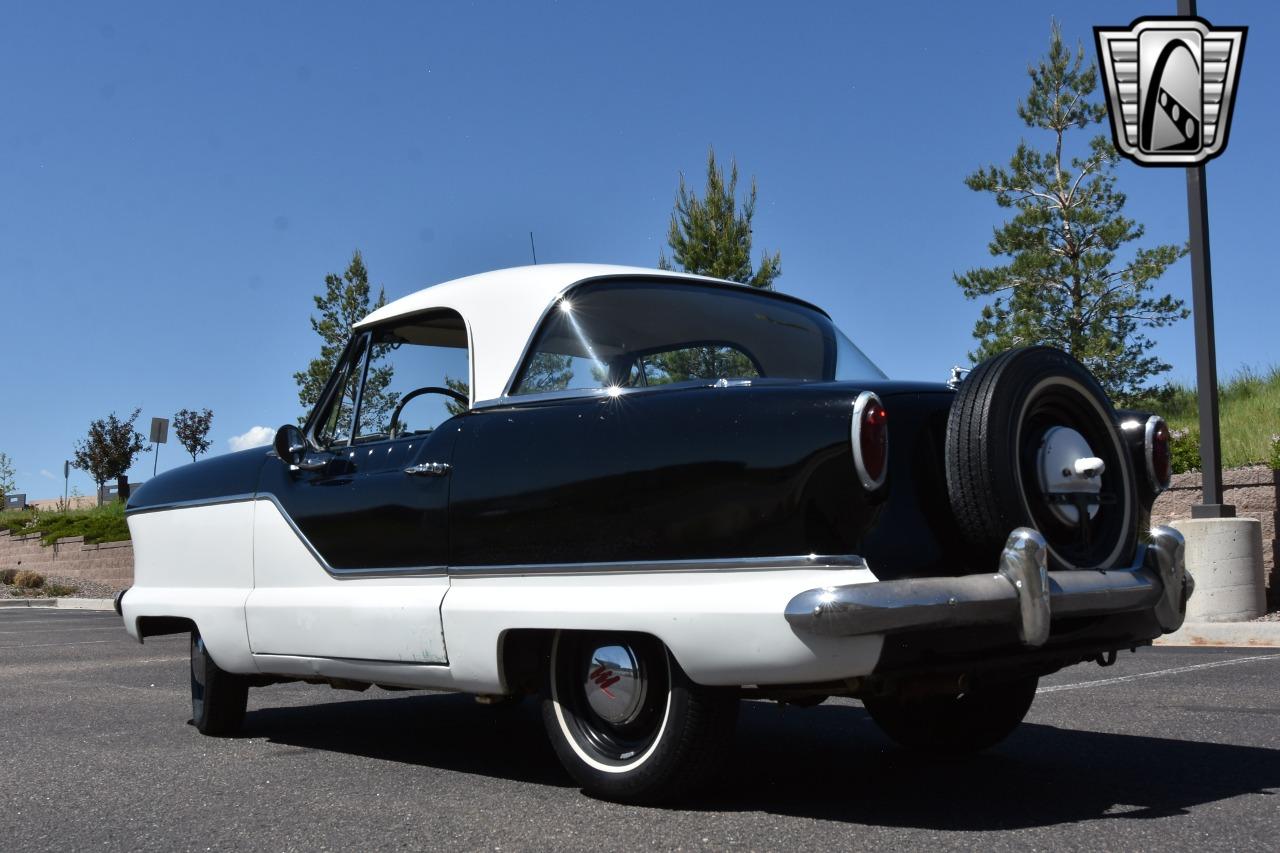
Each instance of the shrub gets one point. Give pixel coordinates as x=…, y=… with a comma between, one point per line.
x=58, y=590
x=8, y=575
x=28, y=580
x=104, y=523
x=1275, y=452
x=1184, y=450
x=17, y=521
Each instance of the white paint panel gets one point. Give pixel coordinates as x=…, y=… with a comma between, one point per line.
x=725, y=628
x=196, y=563
x=198, y=546
x=298, y=608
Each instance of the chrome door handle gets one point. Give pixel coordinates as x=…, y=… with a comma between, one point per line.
x=429, y=469
x=314, y=463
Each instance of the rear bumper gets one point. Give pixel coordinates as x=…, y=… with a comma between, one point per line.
x=1021, y=594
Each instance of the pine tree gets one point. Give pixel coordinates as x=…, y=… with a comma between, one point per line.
x=344, y=303
x=710, y=236
x=1063, y=285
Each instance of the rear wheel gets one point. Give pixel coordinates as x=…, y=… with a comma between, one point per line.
x=627, y=723
x=218, y=698
x=956, y=724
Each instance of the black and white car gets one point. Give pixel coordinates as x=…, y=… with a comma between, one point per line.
x=643, y=496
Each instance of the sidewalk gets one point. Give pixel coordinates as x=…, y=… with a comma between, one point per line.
x=63, y=603
x=1242, y=634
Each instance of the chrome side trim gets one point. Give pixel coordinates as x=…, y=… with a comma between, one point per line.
x=227, y=499
x=731, y=564
x=362, y=661
x=381, y=572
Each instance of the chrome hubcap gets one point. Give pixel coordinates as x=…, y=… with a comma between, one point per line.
x=1067, y=467
x=614, y=687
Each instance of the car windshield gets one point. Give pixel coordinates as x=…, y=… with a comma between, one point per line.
x=635, y=333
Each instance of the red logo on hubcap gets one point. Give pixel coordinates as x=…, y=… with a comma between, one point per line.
x=604, y=679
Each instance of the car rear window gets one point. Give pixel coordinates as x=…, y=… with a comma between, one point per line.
x=641, y=333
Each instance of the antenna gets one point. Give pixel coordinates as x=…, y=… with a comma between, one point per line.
x=533, y=249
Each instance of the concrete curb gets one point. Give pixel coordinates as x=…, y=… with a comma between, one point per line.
x=63, y=603
x=1240, y=634
x=86, y=604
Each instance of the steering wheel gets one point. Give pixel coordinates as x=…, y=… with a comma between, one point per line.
x=418, y=392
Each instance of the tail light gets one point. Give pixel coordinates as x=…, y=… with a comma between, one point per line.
x=870, y=436
x=1159, y=461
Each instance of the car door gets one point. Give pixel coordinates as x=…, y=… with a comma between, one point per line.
x=351, y=545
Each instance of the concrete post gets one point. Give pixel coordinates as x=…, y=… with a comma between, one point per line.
x=1224, y=555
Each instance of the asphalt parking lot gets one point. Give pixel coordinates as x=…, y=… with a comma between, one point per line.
x=1169, y=749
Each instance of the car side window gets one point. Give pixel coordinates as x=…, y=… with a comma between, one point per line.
x=416, y=377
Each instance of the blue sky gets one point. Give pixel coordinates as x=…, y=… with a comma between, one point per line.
x=175, y=181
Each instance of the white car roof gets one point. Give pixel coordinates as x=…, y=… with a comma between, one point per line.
x=502, y=310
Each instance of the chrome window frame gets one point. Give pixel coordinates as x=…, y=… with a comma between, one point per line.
x=312, y=423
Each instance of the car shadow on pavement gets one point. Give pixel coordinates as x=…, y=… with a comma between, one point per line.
x=832, y=763
x=829, y=763
x=445, y=731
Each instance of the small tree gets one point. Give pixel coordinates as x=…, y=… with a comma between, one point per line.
x=345, y=302
x=192, y=427
x=1062, y=285
x=711, y=236
x=110, y=448
x=8, y=481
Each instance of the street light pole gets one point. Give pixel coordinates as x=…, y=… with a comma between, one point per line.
x=1211, y=505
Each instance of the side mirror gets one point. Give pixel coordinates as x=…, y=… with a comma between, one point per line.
x=289, y=444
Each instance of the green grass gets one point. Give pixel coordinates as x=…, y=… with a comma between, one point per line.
x=1248, y=407
x=15, y=520
x=98, y=524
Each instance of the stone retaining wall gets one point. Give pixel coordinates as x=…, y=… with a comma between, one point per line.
x=69, y=557
x=1251, y=490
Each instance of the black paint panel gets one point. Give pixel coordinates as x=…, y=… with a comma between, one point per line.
x=234, y=474
x=363, y=511
x=742, y=471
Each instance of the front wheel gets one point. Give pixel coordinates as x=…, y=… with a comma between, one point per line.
x=627, y=723
x=956, y=724
x=218, y=698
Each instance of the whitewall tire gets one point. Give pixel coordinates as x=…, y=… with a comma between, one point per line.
x=627, y=723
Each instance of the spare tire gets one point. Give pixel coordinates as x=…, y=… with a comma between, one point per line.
x=1028, y=431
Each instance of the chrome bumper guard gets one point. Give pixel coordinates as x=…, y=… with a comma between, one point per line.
x=1022, y=592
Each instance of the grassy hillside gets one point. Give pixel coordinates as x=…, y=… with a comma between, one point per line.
x=98, y=524
x=1248, y=405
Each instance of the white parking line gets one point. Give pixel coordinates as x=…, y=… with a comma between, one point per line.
x=65, y=614
x=1120, y=679
x=46, y=645
x=64, y=630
